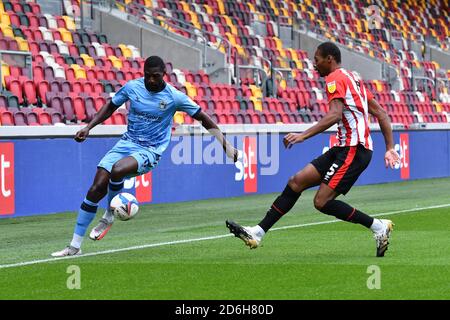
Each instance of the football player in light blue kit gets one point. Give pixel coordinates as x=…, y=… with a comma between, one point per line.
x=153, y=105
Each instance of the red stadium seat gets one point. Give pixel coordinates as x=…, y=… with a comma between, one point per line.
x=88, y=88
x=30, y=92
x=118, y=118
x=15, y=71
x=44, y=118
x=16, y=88
x=79, y=108
x=33, y=19
x=108, y=121
x=101, y=101
x=73, y=50
x=6, y=118
x=98, y=88
x=77, y=87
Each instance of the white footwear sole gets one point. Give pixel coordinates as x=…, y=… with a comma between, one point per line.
x=65, y=253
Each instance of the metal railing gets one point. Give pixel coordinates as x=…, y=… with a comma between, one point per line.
x=257, y=72
x=141, y=14
x=281, y=21
x=348, y=40
x=416, y=79
x=390, y=72
x=386, y=66
x=427, y=40
x=441, y=83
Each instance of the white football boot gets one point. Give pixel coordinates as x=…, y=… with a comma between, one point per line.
x=249, y=235
x=67, y=251
x=102, y=228
x=382, y=236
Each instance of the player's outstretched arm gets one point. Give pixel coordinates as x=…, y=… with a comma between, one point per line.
x=333, y=116
x=391, y=156
x=212, y=127
x=104, y=113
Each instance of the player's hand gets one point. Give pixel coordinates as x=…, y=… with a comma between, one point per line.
x=232, y=152
x=292, y=138
x=81, y=135
x=391, y=158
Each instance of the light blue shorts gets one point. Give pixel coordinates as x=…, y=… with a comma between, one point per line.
x=146, y=159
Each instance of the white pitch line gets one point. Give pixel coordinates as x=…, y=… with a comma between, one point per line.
x=152, y=245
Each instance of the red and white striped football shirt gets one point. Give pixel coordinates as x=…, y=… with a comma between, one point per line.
x=353, y=129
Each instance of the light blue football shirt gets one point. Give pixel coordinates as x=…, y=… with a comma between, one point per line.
x=151, y=114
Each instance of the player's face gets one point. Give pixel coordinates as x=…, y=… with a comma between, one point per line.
x=154, y=78
x=322, y=64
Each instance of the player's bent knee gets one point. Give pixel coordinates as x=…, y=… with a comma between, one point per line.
x=98, y=189
x=118, y=171
x=294, y=185
x=319, y=203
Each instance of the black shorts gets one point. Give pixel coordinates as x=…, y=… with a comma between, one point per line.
x=340, y=167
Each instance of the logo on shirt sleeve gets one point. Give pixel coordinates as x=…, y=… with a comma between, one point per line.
x=331, y=86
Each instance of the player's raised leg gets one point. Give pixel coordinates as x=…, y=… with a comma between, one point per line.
x=86, y=213
x=127, y=166
x=325, y=201
x=252, y=236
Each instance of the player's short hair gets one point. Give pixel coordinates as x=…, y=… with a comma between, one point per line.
x=330, y=49
x=153, y=62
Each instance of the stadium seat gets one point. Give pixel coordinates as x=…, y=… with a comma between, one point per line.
x=79, y=108
x=57, y=118
x=45, y=118
x=3, y=103
x=33, y=119
x=16, y=88
x=79, y=55
x=20, y=119
x=56, y=104
x=30, y=92
x=119, y=118
x=68, y=109
x=6, y=118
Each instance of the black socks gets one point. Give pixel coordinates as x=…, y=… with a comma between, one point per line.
x=343, y=211
x=335, y=208
x=281, y=205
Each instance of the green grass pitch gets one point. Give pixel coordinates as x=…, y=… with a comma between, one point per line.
x=311, y=260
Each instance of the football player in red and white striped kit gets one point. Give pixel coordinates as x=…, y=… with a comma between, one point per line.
x=337, y=170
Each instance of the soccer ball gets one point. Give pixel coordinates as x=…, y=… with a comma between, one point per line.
x=124, y=206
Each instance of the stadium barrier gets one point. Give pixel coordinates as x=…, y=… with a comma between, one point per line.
x=43, y=170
